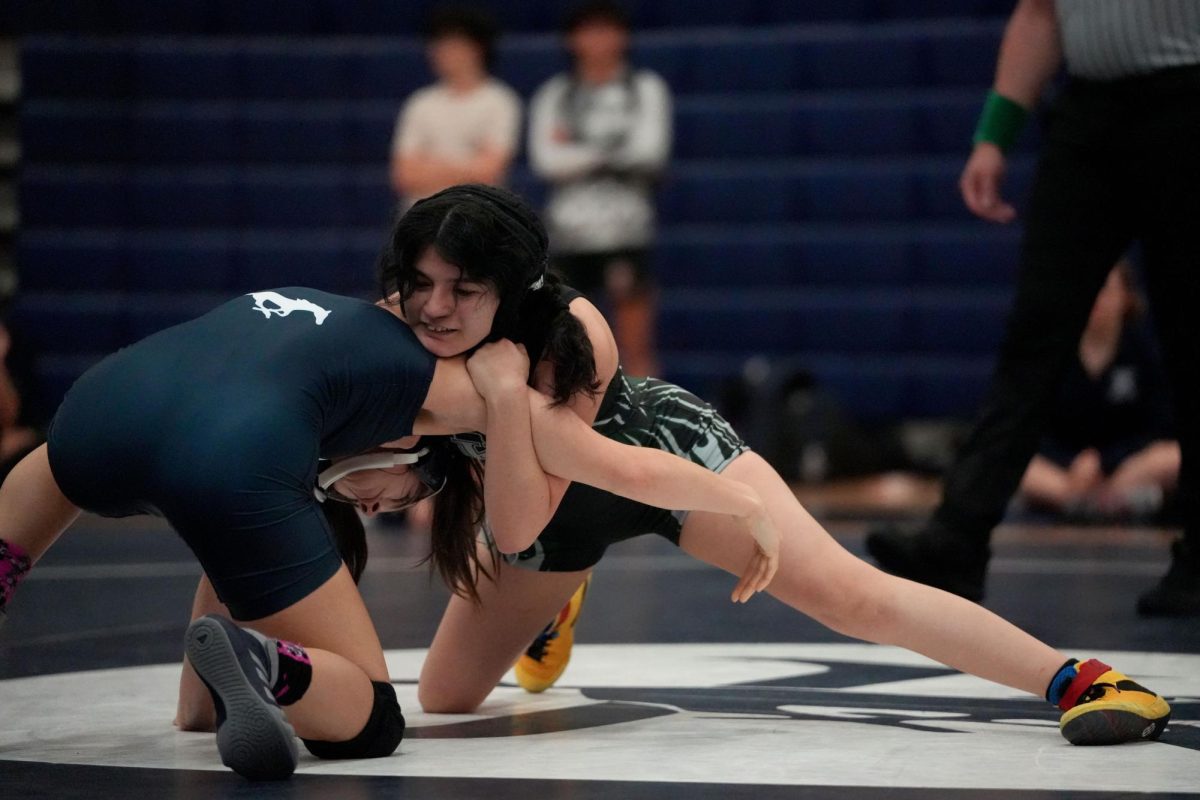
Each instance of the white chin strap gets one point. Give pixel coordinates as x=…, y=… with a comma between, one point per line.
x=343, y=468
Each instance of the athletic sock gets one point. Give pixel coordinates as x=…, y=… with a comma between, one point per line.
x=14, y=563
x=1061, y=680
x=1072, y=680
x=294, y=673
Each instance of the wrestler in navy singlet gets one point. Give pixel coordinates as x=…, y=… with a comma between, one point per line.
x=217, y=425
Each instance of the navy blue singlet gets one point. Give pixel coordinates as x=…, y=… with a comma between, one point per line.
x=217, y=425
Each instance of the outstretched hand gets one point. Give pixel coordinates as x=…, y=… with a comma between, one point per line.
x=762, y=565
x=499, y=367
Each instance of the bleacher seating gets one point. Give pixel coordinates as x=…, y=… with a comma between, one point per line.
x=810, y=211
x=390, y=18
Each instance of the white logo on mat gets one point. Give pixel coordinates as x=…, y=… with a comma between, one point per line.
x=273, y=303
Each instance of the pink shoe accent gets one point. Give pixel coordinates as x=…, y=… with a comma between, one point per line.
x=14, y=563
x=293, y=651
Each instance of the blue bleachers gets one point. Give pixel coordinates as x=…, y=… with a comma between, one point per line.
x=810, y=210
x=843, y=256
x=69, y=322
x=959, y=54
x=708, y=128
x=72, y=261
x=333, y=196
x=850, y=321
x=890, y=387
x=63, y=132
x=390, y=18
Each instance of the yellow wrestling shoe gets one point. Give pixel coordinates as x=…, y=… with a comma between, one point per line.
x=1104, y=706
x=546, y=659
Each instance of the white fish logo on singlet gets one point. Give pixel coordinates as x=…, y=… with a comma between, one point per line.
x=281, y=306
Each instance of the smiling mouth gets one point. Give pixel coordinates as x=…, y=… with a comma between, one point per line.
x=437, y=329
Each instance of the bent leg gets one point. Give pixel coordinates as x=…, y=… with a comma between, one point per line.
x=818, y=577
x=1157, y=464
x=476, y=644
x=1047, y=485
x=33, y=509
x=333, y=626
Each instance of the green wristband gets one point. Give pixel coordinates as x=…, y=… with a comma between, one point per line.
x=1001, y=121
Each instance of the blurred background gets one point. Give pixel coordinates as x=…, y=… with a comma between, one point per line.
x=813, y=255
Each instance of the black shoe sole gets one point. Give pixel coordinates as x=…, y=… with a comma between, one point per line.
x=255, y=740
x=1112, y=727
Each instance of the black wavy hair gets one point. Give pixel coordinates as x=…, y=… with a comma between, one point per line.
x=496, y=239
x=348, y=534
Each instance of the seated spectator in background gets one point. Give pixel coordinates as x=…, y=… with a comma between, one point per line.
x=600, y=136
x=1109, y=450
x=464, y=128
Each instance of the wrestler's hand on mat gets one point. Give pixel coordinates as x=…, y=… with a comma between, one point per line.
x=761, y=568
x=499, y=367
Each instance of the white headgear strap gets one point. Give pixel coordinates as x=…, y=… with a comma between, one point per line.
x=341, y=469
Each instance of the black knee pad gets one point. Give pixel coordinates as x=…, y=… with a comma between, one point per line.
x=379, y=737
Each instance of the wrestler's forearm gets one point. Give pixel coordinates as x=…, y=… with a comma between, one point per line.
x=451, y=405
x=567, y=447
x=516, y=490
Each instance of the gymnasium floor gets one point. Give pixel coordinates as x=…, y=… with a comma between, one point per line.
x=670, y=685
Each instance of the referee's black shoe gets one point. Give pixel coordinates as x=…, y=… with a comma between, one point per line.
x=1178, y=593
x=931, y=558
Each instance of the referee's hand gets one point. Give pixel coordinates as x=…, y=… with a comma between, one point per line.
x=980, y=184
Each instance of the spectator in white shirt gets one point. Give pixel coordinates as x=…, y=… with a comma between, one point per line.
x=463, y=128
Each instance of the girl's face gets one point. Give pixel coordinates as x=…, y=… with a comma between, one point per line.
x=450, y=315
x=378, y=491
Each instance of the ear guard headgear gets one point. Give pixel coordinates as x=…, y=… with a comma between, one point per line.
x=427, y=461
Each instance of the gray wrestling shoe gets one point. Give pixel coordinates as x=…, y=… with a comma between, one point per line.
x=239, y=667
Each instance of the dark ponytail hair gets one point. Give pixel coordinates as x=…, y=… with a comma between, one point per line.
x=458, y=515
x=348, y=534
x=496, y=239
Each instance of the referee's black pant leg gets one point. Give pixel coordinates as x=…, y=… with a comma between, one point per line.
x=1076, y=228
x=1168, y=189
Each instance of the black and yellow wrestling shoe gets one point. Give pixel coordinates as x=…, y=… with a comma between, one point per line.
x=546, y=658
x=1103, y=706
